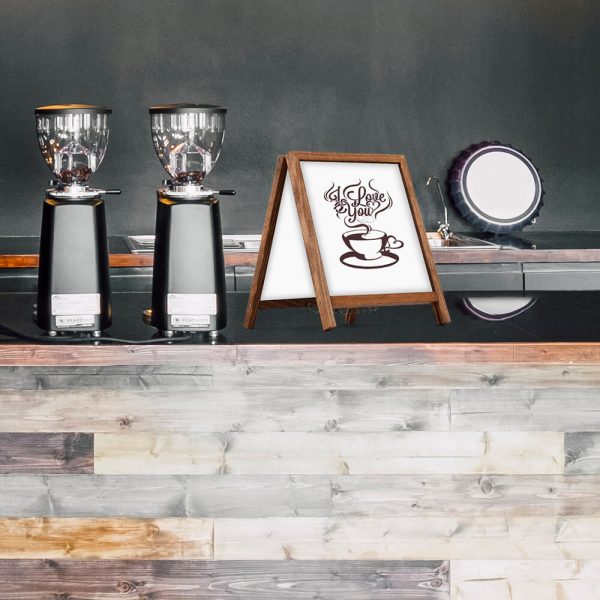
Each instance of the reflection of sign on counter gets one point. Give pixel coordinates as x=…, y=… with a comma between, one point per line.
x=343, y=231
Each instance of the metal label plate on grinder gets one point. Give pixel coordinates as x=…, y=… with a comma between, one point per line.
x=192, y=304
x=190, y=320
x=75, y=321
x=75, y=304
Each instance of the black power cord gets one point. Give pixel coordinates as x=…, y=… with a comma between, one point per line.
x=47, y=339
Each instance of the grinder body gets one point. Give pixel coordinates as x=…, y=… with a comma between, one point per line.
x=188, y=284
x=73, y=279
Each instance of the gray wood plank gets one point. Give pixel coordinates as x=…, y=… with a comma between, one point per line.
x=163, y=496
x=428, y=376
x=566, y=409
x=365, y=377
x=582, y=453
x=223, y=580
x=167, y=377
x=289, y=496
x=465, y=495
x=100, y=410
x=46, y=453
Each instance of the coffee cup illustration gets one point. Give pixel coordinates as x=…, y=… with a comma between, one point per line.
x=371, y=244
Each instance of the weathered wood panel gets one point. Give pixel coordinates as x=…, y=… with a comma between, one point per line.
x=73, y=538
x=557, y=352
x=29, y=355
x=582, y=453
x=464, y=495
x=110, y=355
x=288, y=496
x=566, y=409
x=220, y=580
x=310, y=455
x=408, y=538
x=231, y=259
x=428, y=376
x=46, y=453
x=526, y=579
x=375, y=353
x=100, y=410
x=163, y=496
x=415, y=452
x=166, y=377
x=471, y=375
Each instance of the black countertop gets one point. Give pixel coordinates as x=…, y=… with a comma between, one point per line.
x=549, y=240
x=555, y=317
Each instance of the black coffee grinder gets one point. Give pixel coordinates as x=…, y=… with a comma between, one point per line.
x=73, y=277
x=188, y=287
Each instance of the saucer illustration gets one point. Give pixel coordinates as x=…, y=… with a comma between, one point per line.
x=357, y=261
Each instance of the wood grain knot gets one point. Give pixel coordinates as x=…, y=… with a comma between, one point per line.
x=486, y=485
x=331, y=425
x=125, y=587
x=152, y=530
x=491, y=379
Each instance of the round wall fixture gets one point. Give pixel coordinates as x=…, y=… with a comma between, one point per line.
x=495, y=187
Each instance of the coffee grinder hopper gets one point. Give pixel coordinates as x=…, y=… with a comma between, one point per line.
x=188, y=139
x=73, y=140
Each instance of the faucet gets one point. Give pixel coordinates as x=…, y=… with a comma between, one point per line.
x=443, y=228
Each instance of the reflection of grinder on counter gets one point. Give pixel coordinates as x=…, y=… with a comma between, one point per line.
x=188, y=288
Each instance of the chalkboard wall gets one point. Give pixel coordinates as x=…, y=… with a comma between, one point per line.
x=421, y=77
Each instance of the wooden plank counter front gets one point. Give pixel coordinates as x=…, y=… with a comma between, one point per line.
x=355, y=471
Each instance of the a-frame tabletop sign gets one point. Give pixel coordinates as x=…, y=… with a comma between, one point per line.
x=343, y=231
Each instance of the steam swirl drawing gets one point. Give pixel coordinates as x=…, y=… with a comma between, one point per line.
x=358, y=206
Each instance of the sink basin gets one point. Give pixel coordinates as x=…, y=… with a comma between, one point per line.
x=457, y=240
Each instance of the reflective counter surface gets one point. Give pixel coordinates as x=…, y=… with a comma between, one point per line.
x=554, y=317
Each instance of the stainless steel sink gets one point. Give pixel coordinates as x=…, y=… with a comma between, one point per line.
x=457, y=240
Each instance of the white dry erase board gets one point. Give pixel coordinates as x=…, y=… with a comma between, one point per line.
x=343, y=231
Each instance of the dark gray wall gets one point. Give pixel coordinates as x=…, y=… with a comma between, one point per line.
x=421, y=77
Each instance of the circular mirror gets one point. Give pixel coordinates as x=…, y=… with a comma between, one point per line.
x=495, y=187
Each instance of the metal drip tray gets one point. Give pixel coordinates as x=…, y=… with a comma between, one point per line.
x=144, y=244
x=457, y=240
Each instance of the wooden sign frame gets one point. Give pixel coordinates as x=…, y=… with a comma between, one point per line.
x=323, y=300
